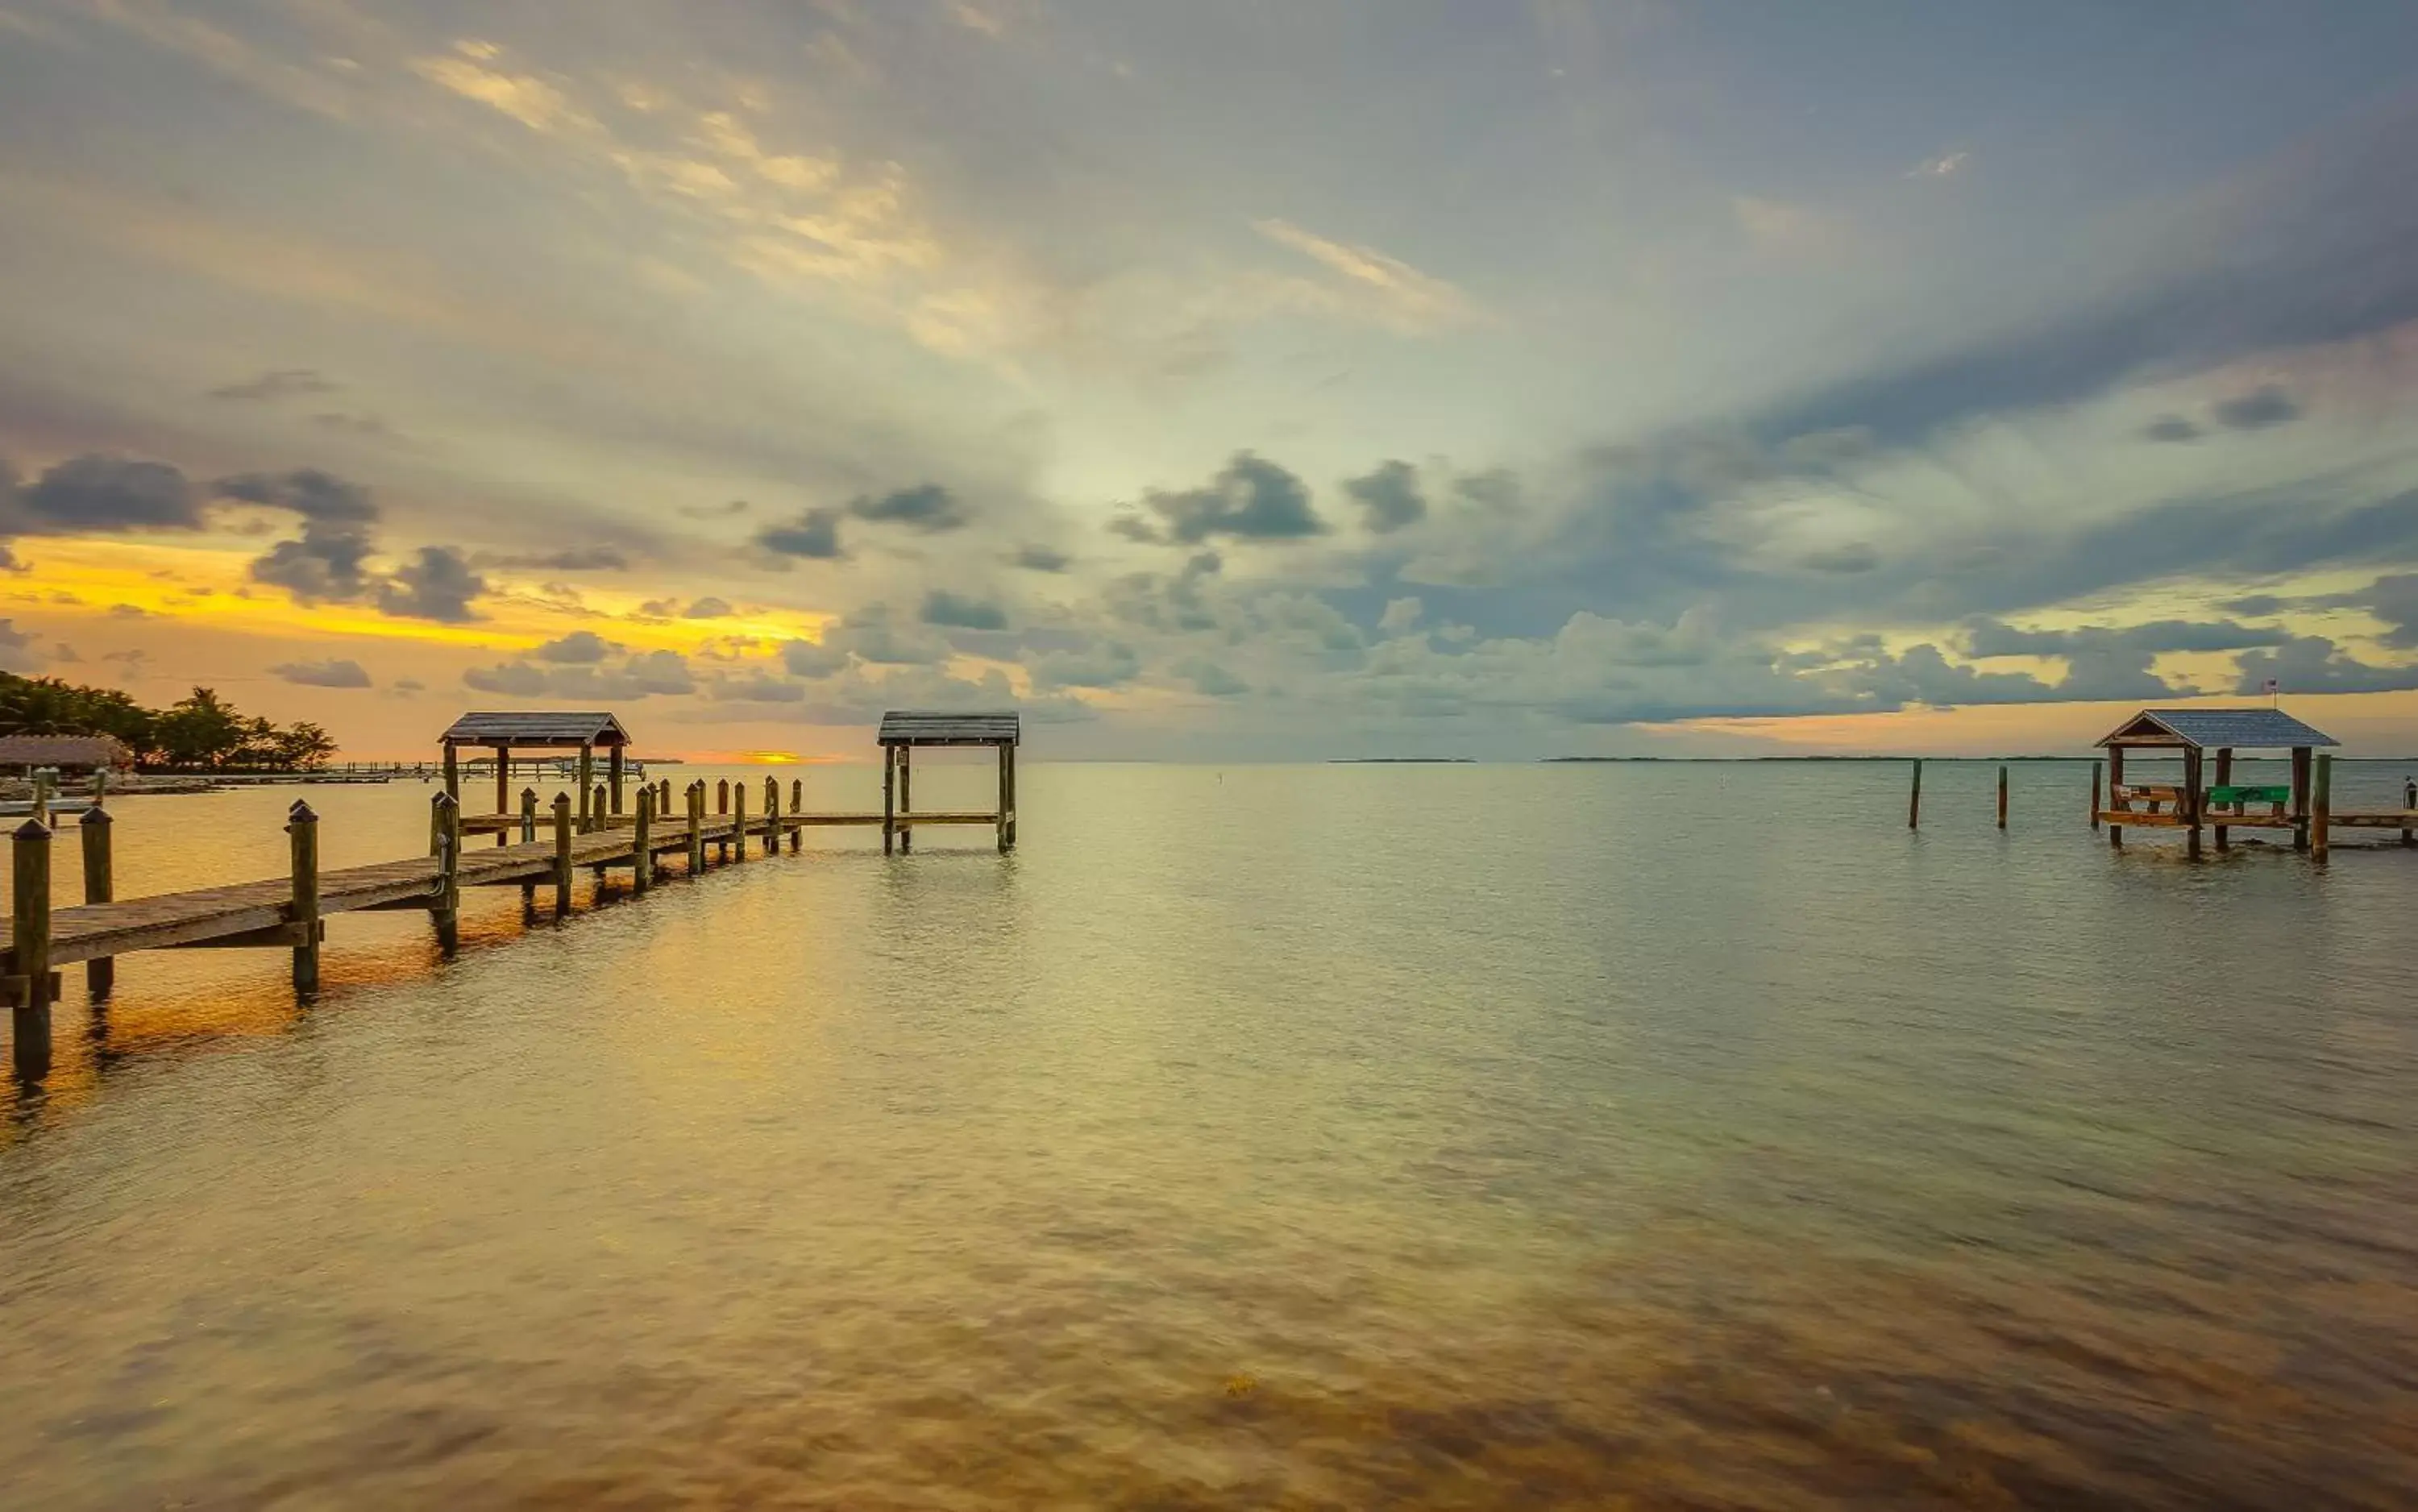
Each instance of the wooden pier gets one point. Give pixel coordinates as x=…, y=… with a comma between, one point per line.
x=290, y=912
x=2213, y=800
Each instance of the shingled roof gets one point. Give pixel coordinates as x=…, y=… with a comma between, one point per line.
x=536, y=728
x=2215, y=729
x=927, y=726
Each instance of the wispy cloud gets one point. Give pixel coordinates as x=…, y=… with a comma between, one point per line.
x=1394, y=291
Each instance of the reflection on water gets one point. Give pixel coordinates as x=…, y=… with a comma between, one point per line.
x=1449, y=1136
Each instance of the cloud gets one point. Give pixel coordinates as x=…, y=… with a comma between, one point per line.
x=941, y=608
x=758, y=688
x=647, y=674
x=812, y=659
x=281, y=383
x=581, y=647
x=307, y=490
x=534, y=103
x=328, y=674
x=17, y=652
x=1108, y=664
x=1041, y=560
x=329, y=562
x=439, y=585
x=1250, y=500
x=714, y=511
x=1400, y=615
x=709, y=608
x=574, y=559
x=2313, y=664
x=873, y=633
x=1396, y=294
x=2171, y=429
x=101, y=492
x=927, y=508
x=1207, y=677
x=1947, y=165
x=1388, y=498
x=814, y=535
x=2258, y=410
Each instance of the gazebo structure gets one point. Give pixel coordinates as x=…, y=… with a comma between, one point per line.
x=2222, y=805
x=81, y=754
x=904, y=729
x=503, y=734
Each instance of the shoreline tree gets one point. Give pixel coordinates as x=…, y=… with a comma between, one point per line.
x=199, y=732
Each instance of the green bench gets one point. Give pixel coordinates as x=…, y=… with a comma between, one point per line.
x=2250, y=795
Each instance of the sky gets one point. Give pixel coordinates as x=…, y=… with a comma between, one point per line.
x=1257, y=380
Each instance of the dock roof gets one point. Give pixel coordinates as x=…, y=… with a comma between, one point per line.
x=64, y=751
x=931, y=727
x=536, y=728
x=2214, y=729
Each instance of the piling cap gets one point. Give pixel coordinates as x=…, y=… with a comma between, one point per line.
x=33, y=829
x=95, y=818
x=299, y=812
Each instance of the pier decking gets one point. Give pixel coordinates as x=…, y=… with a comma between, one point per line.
x=290, y=912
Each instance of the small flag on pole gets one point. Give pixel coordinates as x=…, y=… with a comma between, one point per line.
x=2272, y=688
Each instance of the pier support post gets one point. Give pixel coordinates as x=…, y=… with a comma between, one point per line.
x=302, y=831
x=739, y=822
x=503, y=788
x=613, y=777
x=798, y=806
x=2002, y=795
x=889, y=798
x=1914, y=799
x=447, y=816
x=2224, y=779
x=2321, y=806
x=100, y=886
x=29, y=938
x=587, y=780
x=722, y=811
x=561, y=854
x=2094, y=795
x=452, y=772
x=528, y=837
x=2301, y=797
x=642, y=836
x=1011, y=797
x=2194, y=795
x=771, y=815
x=907, y=798
x=696, y=827
x=2116, y=799
x=596, y=810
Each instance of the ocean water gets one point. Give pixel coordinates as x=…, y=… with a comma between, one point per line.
x=1672, y=1136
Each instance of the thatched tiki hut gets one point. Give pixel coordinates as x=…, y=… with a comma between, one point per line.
x=72, y=755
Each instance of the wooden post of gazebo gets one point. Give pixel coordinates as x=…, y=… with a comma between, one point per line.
x=904, y=729
x=502, y=734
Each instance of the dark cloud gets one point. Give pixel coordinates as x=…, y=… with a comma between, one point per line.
x=714, y=511
x=353, y=424
x=709, y=608
x=1388, y=498
x=1994, y=638
x=327, y=563
x=96, y=493
x=1209, y=677
x=927, y=507
x=581, y=647
x=437, y=584
x=812, y=659
x=307, y=490
x=941, y=608
x=1107, y=664
x=281, y=383
x=2313, y=664
x=1847, y=557
x=814, y=535
x=1041, y=560
x=1250, y=500
x=17, y=649
x=574, y=559
x=2269, y=406
x=759, y=688
x=328, y=674
x=1134, y=527
x=2171, y=429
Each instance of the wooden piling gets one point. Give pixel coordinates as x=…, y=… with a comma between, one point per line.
x=1003, y=799
x=2322, y=805
x=586, y=781
x=2194, y=795
x=2002, y=795
x=2094, y=795
x=446, y=907
x=696, y=827
x=613, y=777
x=2115, y=799
x=722, y=810
x=798, y=806
x=2299, y=798
x=29, y=937
x=907, y=798
x=889, y=798
x=100, y=886
x=739, y=822
x=303, y=830
x=528, y=837
x=2224, y=779
x=452, y=772
x=1011, y=797
x=772, y=815
x=642, y=854
x=596, y=810
x=1914, y=800
x=563, y=831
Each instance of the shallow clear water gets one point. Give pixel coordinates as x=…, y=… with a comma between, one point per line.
x=1272, y=1136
